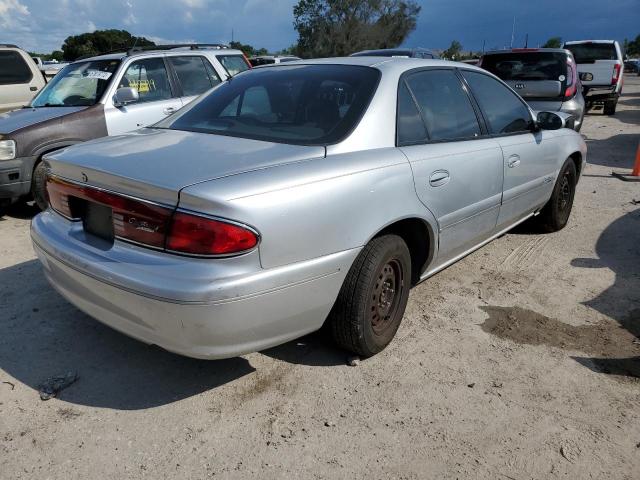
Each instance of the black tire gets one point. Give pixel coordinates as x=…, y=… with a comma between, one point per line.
x=38, y=186
x=610, y=107
x=373, y=297
x=555, y=214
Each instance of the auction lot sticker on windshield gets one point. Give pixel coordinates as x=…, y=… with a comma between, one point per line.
x=98, y=74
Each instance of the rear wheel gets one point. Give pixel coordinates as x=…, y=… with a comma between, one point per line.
x=373, y=298
x=38, y=186
x=555, y=214
x=610, y=107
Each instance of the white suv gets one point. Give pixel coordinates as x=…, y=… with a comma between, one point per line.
x=601, y=67
x=105, y=95
x=20, y=78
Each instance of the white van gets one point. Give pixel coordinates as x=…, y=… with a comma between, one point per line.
x=20, y=78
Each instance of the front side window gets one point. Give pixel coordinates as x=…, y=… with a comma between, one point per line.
x=503, y=109
x=149, y=77
x=233, y=64
x=193, y=74
x=445, y=105
x=13, y=68
x=304, y=105
x=78, y=84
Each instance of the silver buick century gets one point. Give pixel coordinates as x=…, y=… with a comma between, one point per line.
x=295, y=196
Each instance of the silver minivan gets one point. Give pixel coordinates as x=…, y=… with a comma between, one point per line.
x=546, y=78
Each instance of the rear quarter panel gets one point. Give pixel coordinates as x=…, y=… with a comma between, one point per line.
x=313, y=208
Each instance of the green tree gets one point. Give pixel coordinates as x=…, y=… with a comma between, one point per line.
x=328, y=28
x=454, y=52
x=100, y=41
x=249, y=50
x=553, y=42
x=632, y=47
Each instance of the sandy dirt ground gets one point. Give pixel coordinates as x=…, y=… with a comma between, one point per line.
x=522, y=361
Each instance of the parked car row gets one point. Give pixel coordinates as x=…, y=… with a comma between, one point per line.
x=99, y=96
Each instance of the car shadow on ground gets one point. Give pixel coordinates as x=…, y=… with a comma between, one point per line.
x=618, y=249
x=616, y=152
x=42, y=335
x=19, y=210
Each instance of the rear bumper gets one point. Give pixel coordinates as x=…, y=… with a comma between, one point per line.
x=194, y=307
x=593, y=93
x=15, y=177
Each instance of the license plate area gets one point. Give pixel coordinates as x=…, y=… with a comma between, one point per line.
x=97, y=219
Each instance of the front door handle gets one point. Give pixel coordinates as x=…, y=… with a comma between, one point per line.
x=33, y=89
x=439, y=178
x=514, y=161
x=169, y=110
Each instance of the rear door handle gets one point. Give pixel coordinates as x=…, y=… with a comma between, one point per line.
x=169, y=110
x=439, y=178
x=514, y=161
x=33, y=89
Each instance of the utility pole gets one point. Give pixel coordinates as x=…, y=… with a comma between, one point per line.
x=513, y=31
x=483, y=42
x=232, y=35
x=526, y=41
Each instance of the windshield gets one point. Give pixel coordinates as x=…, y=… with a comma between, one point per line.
x=304, y=105
x=78, y=84
x=590, y=52
x=233, y=64
x=527, y=66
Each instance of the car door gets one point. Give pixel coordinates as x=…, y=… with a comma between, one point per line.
x=528, y=161
x=19, y=82
x=195, y=75
x=157, y=96
x=457, y=168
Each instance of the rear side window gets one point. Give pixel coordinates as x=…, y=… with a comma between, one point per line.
x=527, y=66
x=503, y=109
x=444, y=104
x=411, y=129
x=13, y=68
x=233, y=64
x=590, y=52
x=149, y=77
x=193, y=74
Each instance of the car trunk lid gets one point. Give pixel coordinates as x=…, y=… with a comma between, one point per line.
x=155, y=164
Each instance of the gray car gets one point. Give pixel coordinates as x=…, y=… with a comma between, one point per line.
x=547, y=78
x=297, y=195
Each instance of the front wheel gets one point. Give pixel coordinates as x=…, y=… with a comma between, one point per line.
x=555, y=214
x=373, y=298
x=38, y=186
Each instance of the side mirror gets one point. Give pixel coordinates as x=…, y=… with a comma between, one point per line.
x=125, y=95
x=551, y=121
x=586, y=76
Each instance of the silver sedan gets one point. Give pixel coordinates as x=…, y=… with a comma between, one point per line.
x=297, y=195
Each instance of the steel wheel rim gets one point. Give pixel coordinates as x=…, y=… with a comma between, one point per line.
x=565, y=193
x=386, y=296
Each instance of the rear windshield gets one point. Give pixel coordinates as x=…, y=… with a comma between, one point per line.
x=304, y=105
x=590, y=52
x=78, y=84
x=13, y=68
x=527, y=66
x=233, y=64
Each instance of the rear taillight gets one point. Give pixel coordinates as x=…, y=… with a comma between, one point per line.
x=572, y=80
x=616, y=74
x=152, y=225
x=197, y=235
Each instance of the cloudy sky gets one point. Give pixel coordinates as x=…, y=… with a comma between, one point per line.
x=42, y=25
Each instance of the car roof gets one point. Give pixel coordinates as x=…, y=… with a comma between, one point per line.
x=173, y=51
x=527, y=50
x=397, y=64
x=576, y=42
